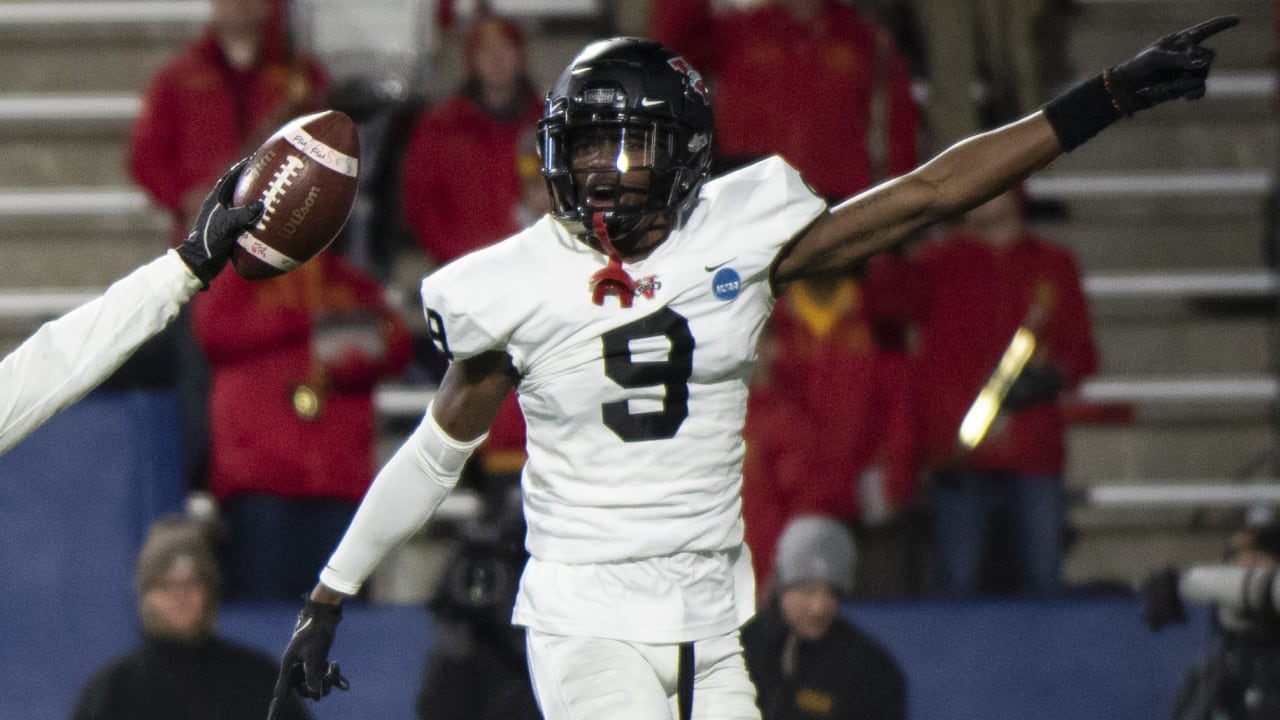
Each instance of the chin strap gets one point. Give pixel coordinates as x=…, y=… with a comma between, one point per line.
x=611, y=279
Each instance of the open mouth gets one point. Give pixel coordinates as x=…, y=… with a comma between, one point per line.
x=601, y=194
x=606, y=193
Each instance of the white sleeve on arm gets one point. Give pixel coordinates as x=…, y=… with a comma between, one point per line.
x=69, y=356
x=402, y=497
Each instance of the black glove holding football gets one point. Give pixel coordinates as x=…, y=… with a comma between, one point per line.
x=1034, y=385
x=213, y=235
x=1173, y=66
x=305, y=664
x=1161, y=603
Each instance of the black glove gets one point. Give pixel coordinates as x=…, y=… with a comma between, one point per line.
x=1034, y=385
x=305, y=664
x=208, y=246
x=1173, y=66
x=1161, y=603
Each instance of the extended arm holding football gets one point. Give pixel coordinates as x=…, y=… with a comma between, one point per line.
x=69, y=356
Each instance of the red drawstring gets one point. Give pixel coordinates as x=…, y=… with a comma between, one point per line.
x=612, y=278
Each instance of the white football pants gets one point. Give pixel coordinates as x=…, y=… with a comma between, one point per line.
x=585, y=678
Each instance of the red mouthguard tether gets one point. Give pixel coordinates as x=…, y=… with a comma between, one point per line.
x=611, y=279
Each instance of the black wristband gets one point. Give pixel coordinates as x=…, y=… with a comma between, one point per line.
x=1081, y=112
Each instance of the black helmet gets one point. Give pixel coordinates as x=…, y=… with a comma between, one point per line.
x=631, y=88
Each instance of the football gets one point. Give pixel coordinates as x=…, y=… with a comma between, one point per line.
x=305, y=174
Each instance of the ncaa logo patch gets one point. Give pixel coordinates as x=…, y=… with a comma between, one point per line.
x=726, y=284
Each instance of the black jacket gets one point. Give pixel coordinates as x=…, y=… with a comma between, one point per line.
x=843, y=676
x=160, y=680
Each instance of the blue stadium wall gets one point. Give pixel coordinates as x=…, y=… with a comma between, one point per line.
x=77, y=496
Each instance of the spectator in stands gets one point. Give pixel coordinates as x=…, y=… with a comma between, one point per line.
x=69, y=356
x=465, y=181
x=968, y=292
x=855, y=395
x=776, y=457
x=805, y=658
x=768, y=66
x=294, y=363
x=182, y=668
x=461, y=186
x=476, y=668
x=987, y=61
x=213, y=103
x=217, y=101
x=810, y=80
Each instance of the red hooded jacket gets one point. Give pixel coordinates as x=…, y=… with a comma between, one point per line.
x=199, y=115
x=824, y=95
x=259, y=337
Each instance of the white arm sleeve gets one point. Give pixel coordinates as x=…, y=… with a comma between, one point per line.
x=402, y=497
x=69, y=356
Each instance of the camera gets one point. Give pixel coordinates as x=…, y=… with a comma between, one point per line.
x=1245, y=597
x=1240, y=680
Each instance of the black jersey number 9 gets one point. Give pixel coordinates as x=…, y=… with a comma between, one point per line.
x=673, y=374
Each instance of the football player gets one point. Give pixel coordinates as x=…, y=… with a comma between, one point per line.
x=627, y=321
x=69, y=356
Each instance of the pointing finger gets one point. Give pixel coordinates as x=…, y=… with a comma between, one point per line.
x=1195, y=35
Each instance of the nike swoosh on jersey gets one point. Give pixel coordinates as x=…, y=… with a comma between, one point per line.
x=709, y=268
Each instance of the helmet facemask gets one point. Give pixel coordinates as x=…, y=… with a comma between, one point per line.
x=635, y=172
x=625, y=144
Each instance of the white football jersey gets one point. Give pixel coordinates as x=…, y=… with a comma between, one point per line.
x=634, y=415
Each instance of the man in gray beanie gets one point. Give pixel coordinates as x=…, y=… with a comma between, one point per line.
x=806, y=659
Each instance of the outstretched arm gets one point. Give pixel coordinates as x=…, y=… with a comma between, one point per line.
x=403, y=496
x=981, y=167
x=69, y=356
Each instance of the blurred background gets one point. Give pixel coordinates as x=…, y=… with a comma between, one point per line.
x=1172, y=444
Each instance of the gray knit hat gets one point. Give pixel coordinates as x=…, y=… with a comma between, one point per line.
x=814, y=547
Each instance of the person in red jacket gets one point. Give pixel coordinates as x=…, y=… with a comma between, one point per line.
x=969, y=292
x=857, y=435
x=811, y=80
x=462, y=183
x=294, y=362
x=208, y=106
x=216, y=101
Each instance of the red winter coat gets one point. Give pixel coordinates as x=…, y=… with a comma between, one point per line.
x=968, y=298
x=460, y=186
x=258, y=337
x=836, y=406
x=460, y=191
x=199, y=116
x=802, y=90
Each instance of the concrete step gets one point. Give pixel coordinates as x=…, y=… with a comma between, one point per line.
x=71, y=257
x=1107, y=32
x=1183, y=448
x=1109, y=551
x=65, y=156
x=1231, y=346
x=1129, y=240
x=95, y=63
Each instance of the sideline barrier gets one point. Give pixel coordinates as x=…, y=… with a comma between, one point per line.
x=76, y=498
